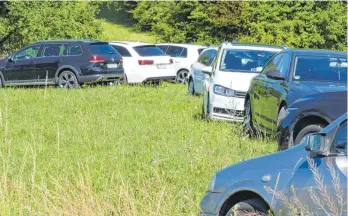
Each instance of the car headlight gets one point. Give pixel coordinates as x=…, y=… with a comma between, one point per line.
x=223, y=91
x=212, y=184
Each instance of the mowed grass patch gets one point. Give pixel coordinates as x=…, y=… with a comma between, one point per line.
x=120, y=150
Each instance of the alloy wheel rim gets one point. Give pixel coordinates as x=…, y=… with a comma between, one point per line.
x=67, y=80
x=182, y=77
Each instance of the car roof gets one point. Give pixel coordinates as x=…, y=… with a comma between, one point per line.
x=131, y=43
x=184, y=45
x=255, y=45
x=71, y=41
x=316, y=52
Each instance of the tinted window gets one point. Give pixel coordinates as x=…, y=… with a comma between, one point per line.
x=122, y=51
x=200, y=51
x=53, y=50
x=274, y=63
x=176, y=51
x=163, y=47
x=320, y=68
x=28, y=53
x=340, y=142
x=244, y=60
x=285, y=65
x=149, y=50
x=75, y=50
x=102, y=49
x=207, y=57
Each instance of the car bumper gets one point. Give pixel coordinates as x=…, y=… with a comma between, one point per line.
x=166, y=78
x=100, y=78
x=227, y=108
x=209, y=203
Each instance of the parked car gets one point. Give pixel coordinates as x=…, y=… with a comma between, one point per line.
x=246, y=186
x=184, y=56
x=288, y=76
x=196, y=77
x=144, y=62
x=310, y=114
x=229, y=78
x=65, y=63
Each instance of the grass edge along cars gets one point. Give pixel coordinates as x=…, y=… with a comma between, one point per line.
x=229, y=78
x=196, y=77
x=65, y=63
x=144, y=62
x=245, y=186
x=310, y=114
x=288, y=76
x=184, y=55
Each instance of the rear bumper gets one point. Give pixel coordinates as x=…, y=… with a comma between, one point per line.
x=100, y=78
x=167, y=78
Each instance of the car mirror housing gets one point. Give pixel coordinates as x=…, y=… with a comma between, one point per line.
x=207, y=70
x=315, y=143
x=275, y=74
x=10, y=59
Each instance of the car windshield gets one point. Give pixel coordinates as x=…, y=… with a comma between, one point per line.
x=244, y=60
x=102, y=49
x=149, y=50
x=320, y=68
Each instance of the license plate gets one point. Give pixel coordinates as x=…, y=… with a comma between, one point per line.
x=112, y=65
x=161, y=66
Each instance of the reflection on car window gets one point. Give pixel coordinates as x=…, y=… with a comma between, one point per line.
x=176, y=51
x=28, y=53
x=122, y=50
x=75, y=49
x=244, y=60
x=53, y=50
x=149, y=50
x=340, y=142
x=320, y=68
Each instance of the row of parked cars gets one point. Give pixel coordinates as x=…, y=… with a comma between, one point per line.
x=298, y=95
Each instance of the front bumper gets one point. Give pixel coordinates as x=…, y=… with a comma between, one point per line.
x=209, y=203
x=100, y=78
x=227, y=108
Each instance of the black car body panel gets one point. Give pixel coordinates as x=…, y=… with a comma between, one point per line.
x=53, y=57
x=267, y=96
x=327, y=107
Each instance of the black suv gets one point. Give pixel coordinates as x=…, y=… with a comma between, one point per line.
x=66, y=63
x=288, y=76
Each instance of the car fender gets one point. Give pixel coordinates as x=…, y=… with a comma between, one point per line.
x=67, y=67
x=251, y=186
x=307, y=113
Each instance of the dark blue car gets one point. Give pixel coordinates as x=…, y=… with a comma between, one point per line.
x=288, y=76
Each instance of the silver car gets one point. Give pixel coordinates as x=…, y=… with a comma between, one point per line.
x=308, y=179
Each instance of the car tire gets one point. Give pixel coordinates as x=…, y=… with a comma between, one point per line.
x=205, y=112
x=314, y=128
x=67, y=79
x=248, y=127
x=182, y=77
x=191, y=87
x=249, y=207
x=1, y=83
x=281, y=114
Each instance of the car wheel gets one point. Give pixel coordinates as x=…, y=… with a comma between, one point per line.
x=67, y=79
x=247, y=122
x=314, y=128
x=1, y=84
x=191, y=87
x=255, y=207
x=182, y=77
x=281, y=114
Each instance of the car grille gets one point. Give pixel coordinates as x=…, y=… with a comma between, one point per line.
x=240, y=94
x=232, y=112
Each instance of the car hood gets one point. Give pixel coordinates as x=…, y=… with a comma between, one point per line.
x=239, y=81
x=308, y=88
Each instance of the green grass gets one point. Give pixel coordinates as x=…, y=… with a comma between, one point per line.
x=121, y=150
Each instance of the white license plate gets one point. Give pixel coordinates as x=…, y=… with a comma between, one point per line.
x=112, y=65
x=161, y=66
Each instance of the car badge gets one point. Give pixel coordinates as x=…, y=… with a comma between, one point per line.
x=112, y=59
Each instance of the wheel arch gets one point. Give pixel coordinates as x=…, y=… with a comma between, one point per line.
x=66, y=67
x=182, y=69
x=306, y=119
x=282, y=104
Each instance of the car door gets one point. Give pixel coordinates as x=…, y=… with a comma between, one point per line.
x=20, y=68
x=49, y=61
x=261, y=98
x=323, y=178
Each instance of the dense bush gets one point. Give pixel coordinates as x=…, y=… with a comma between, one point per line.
x=295, y=23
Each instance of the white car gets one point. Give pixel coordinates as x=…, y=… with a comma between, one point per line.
x=229, y=79
x=196, y=77
x=184, y=56
x=144, y=62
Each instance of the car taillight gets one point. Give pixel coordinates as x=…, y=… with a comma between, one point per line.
x=145, y=62
x=171, y=61
x=97, y=59
x=121, y=59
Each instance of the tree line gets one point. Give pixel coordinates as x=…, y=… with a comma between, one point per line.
x=301, y=24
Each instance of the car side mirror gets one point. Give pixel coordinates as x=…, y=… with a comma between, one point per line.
x=207, y=70
x=10, y=59
x=315, y=143
x=275, y=74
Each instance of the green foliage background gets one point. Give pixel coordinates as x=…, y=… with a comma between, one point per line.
x=302, y=24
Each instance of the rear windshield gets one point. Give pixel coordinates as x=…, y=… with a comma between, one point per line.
x=102, y=49
x=320, y=68
x=149, y=51
x=244, y=60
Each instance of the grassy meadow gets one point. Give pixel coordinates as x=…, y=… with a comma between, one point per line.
x=119, y=150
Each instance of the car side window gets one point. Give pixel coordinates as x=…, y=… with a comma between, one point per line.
x=28, y=53
x=75, y=50
x=285, y=65
x=274, y=63
x=122, y=50
x=53, y=50
x=204, y=57
x=340, y=141
x=176, y=51
x=212, y=55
